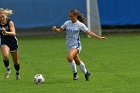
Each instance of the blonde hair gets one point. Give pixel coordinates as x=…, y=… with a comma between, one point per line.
x=7, y=12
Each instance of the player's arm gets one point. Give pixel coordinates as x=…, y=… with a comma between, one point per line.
x=12, y=30
x=57, y=29
x=90, y=33
x=63, y=27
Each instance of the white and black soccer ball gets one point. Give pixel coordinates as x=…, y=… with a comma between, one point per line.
x=39, y=79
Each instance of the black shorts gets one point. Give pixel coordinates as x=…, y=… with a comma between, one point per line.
x=12, y=45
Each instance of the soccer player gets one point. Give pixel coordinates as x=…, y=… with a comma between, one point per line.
x=73, y=44
x=9, y=43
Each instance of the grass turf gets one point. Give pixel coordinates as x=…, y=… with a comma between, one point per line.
x=113, y=63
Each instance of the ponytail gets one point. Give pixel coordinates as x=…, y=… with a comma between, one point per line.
x=7, y=12
x=79, y=15
x=81, y=18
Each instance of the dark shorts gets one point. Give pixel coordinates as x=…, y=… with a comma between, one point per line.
x=13, y=46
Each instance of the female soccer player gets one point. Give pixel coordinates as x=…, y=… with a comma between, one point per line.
x=9, y=42
x=73, y=28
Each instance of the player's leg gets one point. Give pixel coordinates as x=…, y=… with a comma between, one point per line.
x=16, y=63
x=81, y=66
x=5, y=52
x=72, y=52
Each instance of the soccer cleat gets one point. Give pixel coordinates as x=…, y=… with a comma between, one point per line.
x=75, y=76
x=17, y=76
x=7, y=74
x=87, y=75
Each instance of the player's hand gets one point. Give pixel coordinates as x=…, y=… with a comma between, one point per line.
x=3, y=30
x=54, y=28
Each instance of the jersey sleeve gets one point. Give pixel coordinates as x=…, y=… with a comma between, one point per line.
x=64, y=25
x=84, y=28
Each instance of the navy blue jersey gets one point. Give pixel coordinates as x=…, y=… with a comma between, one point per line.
x=6, y=39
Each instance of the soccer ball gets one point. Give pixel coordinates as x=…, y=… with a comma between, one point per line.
x=39, y=79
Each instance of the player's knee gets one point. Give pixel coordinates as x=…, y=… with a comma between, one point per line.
x=77, y=61
x=5, y=57
x=70, y=59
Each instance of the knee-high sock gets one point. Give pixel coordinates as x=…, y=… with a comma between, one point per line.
x=73, y=67
x=17, y=68
x=7, y=65
x=83, y=68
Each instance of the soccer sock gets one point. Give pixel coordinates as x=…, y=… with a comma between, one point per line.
x=83, y=68
x=7, y=65
x=73, y=67
x=17, y=68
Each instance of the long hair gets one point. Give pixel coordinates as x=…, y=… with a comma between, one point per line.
x=7, y=12
x=79, y=15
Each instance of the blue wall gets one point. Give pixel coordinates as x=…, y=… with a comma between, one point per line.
x=119, y=12
x=41, y=13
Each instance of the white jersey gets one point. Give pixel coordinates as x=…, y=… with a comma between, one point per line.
x=73, y=32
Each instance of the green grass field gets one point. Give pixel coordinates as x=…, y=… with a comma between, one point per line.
x=114, y=65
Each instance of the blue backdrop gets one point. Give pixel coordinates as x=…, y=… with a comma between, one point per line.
x=119, y=12
x=42, y=13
